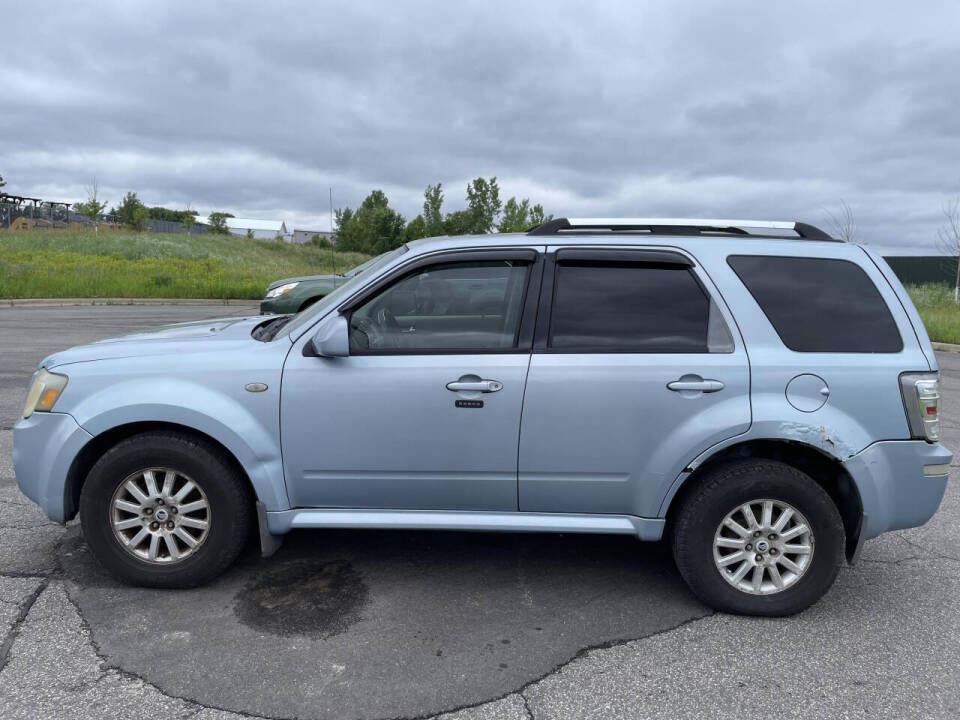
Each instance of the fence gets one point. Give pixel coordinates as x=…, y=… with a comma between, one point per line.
x=169, y=226
x=24, y=216
x=921, y=269
x=30, y=216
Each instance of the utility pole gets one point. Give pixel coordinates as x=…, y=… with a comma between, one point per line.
x=333, y=251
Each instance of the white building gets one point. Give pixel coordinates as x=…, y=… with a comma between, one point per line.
x=261, y=229
x=301, y=237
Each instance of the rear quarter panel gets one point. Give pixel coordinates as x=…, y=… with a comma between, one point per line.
x=864, y=404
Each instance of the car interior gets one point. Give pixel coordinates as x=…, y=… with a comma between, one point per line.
x=454, y=306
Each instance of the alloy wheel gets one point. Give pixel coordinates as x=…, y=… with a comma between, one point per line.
x=160, y=515
x=763, y=546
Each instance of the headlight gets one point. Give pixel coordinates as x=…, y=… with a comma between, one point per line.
x=281, y=290
x=45, y=388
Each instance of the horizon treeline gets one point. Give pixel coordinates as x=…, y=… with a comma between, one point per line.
x=375, y=227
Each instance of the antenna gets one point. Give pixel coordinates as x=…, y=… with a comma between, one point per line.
x=333, y=252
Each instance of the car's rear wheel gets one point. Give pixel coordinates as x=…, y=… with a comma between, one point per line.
x=758, y=537
x=165, y=510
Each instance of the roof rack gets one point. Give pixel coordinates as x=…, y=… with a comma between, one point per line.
x=680, y=226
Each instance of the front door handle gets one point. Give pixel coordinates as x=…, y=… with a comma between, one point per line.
x=484, y=386
x=699, y=385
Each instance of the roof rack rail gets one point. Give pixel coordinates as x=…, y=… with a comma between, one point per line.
x=679, y=226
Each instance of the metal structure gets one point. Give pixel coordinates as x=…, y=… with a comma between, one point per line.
x=18, y=212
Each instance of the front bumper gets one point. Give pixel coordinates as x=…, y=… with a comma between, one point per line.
x=283, y=305
x=894, y=487
x=268, y=307
x=44, y=447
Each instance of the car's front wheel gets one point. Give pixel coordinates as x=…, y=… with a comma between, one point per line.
x=165, y=510
x=758, y=537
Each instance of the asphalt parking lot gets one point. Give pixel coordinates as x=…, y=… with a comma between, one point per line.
x=411, y=624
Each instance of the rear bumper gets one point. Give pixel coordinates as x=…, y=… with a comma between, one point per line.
x=901, y=483
x=44, y=447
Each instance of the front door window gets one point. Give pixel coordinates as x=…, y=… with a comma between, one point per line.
x=453, y=307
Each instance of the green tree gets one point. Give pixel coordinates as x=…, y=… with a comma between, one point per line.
x=516, y=216
x=416, y=229
x=92, y=207
x=189, y=218
x=162, y=213
x=139, y=220
x=217, y=221
x=132, y=212
x=431, y=222
x=537, y=216
x=433, y=211
x=483, y=203
x=459, y=222
x=2, y=183
x=373, y=228
x=520, y=217
x=320, y=241
x=350, y=235
x=480, y=215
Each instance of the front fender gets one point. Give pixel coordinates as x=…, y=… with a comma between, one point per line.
x=248, y=429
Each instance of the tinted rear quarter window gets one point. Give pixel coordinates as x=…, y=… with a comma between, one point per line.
x=819, y=304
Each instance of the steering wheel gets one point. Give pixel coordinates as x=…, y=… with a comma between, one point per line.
x=378, y=331
x=388, y=326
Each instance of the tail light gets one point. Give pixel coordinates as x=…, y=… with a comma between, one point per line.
x=921, y=399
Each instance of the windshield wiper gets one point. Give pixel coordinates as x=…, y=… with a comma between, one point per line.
x=267, y=331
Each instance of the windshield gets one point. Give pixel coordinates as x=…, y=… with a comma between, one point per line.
x=306, y=316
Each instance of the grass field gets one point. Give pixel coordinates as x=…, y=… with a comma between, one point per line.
x=940, y=313
x=61, y=263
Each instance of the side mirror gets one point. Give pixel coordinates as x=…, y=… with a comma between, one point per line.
x=332, y=338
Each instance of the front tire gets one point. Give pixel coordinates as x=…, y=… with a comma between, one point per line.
x=758, y=537
x=165, y=510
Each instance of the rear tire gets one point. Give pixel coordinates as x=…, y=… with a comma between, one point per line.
x=165, y=510
x=758, y=537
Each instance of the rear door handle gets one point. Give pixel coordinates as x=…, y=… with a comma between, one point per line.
x=485, y=386
x=707, y=386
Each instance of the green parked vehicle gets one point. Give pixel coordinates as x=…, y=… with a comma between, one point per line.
x=291, y=295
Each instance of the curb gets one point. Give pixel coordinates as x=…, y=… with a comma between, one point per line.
x=62, y=302
x=946, y=347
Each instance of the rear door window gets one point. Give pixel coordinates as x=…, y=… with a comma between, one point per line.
x=634, y=308
x=819, y=304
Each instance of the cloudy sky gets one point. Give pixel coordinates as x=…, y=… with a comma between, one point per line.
x=732, y=109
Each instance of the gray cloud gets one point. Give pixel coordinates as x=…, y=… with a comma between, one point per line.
x=735, y=109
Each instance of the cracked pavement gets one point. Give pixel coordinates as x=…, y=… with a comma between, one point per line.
x=411, y=624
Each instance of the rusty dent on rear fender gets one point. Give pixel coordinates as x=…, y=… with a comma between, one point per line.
x=818, y=436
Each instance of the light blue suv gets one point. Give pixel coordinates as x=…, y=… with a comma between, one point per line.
x=761, y=394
